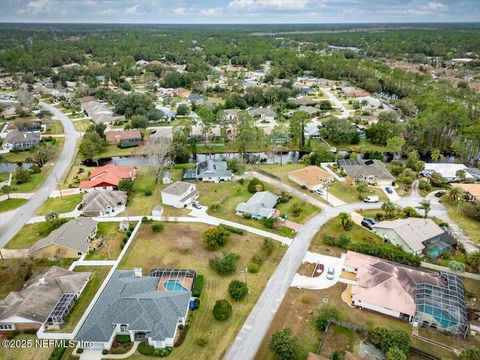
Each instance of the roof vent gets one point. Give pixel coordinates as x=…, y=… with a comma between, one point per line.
x=137, y=272
x=42, y=281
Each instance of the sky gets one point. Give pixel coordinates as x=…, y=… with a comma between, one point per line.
x=239, y=11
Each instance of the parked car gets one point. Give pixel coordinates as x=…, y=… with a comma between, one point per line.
x=439, y=194
x=371, y=199
x=369, y=220
x=320, y=191
x=331, y=273
x=389, y=190
x=196, y=205
x=366, y=224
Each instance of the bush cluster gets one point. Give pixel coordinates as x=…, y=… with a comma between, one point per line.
x=198, y=286
x=260, y=256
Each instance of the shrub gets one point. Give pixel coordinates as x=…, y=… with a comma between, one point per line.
x=79, y=350
x=162, y=352
x=123, y=339
x=225, y=264
x=255, y=185
x=269, y=222
x=234, y=230
x=201, y=341
x=104, y=352
x=329, y=240
x=344, y=241
x=157, y=227
x=126, y=185
x=57, y=353
x=395, y=353
x=253, y=267
x=222, y=310
x=424, y=185
x=385, y=339
x=30, y=331
x=35, y=169
x=216, y=237
x=215, y=207
x=247, y=215
x=296, y=209
x=305, y=299
x=147, y=192
x=22, y=176
x=198, y=286
x=409, y=211
x=237, y=290
x=284, y=345
x=325, y=314
x=145, y=349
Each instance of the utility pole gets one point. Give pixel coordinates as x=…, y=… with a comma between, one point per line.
x=58, y=184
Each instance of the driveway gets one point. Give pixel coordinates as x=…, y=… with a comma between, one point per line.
x=394, y=197
x=319, y=282
x=11, y=222
x=345, y=113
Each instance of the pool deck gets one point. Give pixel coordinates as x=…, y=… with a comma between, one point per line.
x=187, y=283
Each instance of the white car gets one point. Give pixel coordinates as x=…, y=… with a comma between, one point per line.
x=331, y=273
x=320, y=191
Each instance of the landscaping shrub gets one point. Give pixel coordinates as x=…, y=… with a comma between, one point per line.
x=157, y=227
x=198, y=286
x=409, y=211
x=30, y=331
x=253, y=267
x=225, y=264
x=269, y=222
x=57, y=353
x=162, y=352
x=325, y=314
x=201, y=341
x=260, y=256
x=126, y=185
x=79, y=350
x=182, y=335
x=147, y=192
x=284, y=345
x=296, y=209
x=344, y=241
x=234, y=230
x=247, y=215
x=222, y=310
x=255, y=185
x=395, y=353
x=123, y=339
x=237, y=290
x=385, y=339
x=215, y=207
x=35, y=169
x=216, y=237
x=104, y=352
x=386, y=251
x=145, y=349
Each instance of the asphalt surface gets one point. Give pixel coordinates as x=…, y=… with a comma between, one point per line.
x=11, y=222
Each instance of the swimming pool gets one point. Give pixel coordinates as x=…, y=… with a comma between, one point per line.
x=436, y=251
x=174, y=285
x=441, y=316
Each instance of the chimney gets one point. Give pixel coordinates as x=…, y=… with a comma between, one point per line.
x=137, y=272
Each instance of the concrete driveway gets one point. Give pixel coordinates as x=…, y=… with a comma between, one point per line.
x=11, y=222
x=319, y=282
x=394, y=197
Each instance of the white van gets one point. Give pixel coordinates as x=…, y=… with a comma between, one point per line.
x=371, y=199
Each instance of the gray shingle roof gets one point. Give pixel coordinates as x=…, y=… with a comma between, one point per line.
x=210, y=168
x=261, y=204
x=17, y=137
x=73, y=235
x=177, y=188
x=359, y=168
x=99, y=200
x=135, y=301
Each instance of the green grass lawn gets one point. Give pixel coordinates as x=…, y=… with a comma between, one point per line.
x=181, y=247
x=54, y=127
x=11, y=204
x=82, y=125
x=28, y=236
x=349, y=194
x=114, y=150
x=113, y=245
x=469, y=225
x=98, y=275
x=26, y=353
x=59, y=205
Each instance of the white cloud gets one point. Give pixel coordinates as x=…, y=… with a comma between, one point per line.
x=274, y=4
x=425, y=8
x=131, y=9
x=211, y=11
x=36, y=6
x=182, y=10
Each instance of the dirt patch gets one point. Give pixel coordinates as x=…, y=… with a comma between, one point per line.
x=337, y=338
x=306, y=269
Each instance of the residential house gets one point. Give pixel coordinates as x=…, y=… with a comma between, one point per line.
x=474, y=173
x=71, y=240
x=434, y=300
x=107, y=177
x=472, y=191
x=180, y=194
x=312, y=177
x=229, y=115
x=103, y=203
x=266, y=114
x=303, y=101
x=168, y=114
x=181, y=92
x=197, y=99
x=98, y=112
x=415, y=235
x=124, y=138
x=310, y=110
x=21, y=140
x=260, y=206
x=214, y=171
x=373, y=172
x=32, y=306
x=138, y=306
x=448, y=171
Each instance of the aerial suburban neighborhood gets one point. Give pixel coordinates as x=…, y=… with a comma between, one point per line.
x=243, y=180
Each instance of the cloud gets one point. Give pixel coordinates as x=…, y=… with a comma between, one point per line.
x=182, y=10
x=211, y=11
x=132, y=9
x=425, y=8
x=274, y=4
x=36, y=6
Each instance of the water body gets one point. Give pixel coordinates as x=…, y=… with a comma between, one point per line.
x=9, y=167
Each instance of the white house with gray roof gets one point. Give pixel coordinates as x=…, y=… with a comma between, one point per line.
x=260, y=206
x=103, y=203
x=215, y=171
x=132, y=304
x=373, y=172
x=180, y=194
x=21, y=140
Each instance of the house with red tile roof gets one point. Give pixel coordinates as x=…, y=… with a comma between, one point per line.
x=107, y=177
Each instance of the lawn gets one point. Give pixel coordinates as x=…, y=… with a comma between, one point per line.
x=54, y=127
x=181, y=247
x=469, y=225
x=113, y=246
x=99, y=273
x=26, y=353
x=230, y=194
x=114, y=150
x=11, y=204
x=28, y=236
x=82, y=125
x=363, y=147
x=349, y=194
x=59, y=205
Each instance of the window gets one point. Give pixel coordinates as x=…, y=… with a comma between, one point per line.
x=6, y=327
x=123, y=327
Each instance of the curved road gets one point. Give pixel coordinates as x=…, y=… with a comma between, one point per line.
x=12, y=221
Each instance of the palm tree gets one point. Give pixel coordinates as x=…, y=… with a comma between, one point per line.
x=455, y=193
x=345, y=220
x=473, y=259
x=425, y=206
x=436, y=155
x=389, y=208
x=362, y=188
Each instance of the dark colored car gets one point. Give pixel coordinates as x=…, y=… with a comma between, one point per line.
x=439, y=194
x=367, y=225
x=369, y=220
x=196, y=205
x=389, y=190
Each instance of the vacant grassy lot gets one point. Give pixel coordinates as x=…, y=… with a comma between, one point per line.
x=26, y=353
x=113, y=245
x=349, y=193
x=82, y=125
x=28, y=236
x=469, y=225
x=230, y=194
x=96, y=279
x=11, y=204
x=180, y=246
x=59, y=205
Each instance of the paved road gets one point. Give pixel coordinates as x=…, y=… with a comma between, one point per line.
x=12, y=221
x=256, y=326
x=333, y=98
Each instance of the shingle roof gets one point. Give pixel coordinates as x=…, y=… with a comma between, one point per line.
x=15, y=137
x=100, y=200
x=73, y=235
x=213, y=168
x=177, y=188
x=359, y=168
x=41, y=293
x=135, y=301
x=261, y=203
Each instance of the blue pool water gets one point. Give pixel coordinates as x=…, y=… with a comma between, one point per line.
x=174, y=285
x=443, y=317
x=436, y=251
